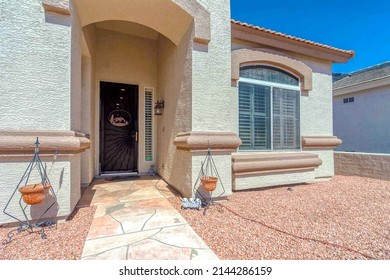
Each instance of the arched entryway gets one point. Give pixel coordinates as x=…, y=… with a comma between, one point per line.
x=141, y=47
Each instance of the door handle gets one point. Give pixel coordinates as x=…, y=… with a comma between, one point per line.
x=136, y=136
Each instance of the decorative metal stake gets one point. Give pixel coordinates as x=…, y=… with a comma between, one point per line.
x=37, y=164
x=208, y=168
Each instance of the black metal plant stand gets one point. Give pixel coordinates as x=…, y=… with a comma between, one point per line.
x=208, y=169
x=35, y=164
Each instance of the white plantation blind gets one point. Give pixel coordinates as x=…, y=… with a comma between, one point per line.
x=254, y=112
x=148, y=125
x=285, y=119
x=262, y=126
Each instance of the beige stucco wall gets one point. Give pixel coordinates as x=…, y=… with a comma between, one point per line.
x=75, y=79
x=174, y=78
x=89, y=103
x=128, y=59
x=40, y=66
x=363, y=164
x=87, y=118
x=223, y=163
x=212, y=93
x=194, y=81
x=317, y=111
x=35, y=79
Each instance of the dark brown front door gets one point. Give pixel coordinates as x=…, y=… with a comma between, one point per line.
x=118, y=127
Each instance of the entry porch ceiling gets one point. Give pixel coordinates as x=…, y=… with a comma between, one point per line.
x=130, y=28
x=163, y=16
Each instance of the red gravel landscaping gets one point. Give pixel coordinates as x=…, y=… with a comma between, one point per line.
x=64, y=242
x=289, y=222
x=353, y=213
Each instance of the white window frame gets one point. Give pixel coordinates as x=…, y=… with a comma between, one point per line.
x=151, y=90
x=271, y=85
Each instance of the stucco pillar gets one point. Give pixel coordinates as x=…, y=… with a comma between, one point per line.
x=40, y=79
x=194, y=145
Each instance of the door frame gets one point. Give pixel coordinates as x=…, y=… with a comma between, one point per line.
x=98, y=115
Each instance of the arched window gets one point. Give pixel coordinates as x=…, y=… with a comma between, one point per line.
x=268, y=109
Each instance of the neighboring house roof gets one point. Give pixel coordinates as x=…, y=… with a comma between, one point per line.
x=362, y=80
x=338, y=76
x=347, y=54
x=364, y=75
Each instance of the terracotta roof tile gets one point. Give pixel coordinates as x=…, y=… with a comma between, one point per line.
x=279, y=34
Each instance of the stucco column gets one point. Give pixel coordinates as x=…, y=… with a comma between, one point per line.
x=194, y=145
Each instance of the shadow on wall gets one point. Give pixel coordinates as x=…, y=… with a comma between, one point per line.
x=38, y=209
x=175, y=87
x=58, y=19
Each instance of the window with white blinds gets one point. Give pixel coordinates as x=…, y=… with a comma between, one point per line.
x=148, y=124
x=254, y=116
x=285, y=115
x=269, y=110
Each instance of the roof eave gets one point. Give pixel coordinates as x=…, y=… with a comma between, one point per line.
x=258, y=36
x=365, y=85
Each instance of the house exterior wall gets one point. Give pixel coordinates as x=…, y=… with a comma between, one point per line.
x=89, y=103
x=50, y=88
x=35, y=54
x=315, y=120
x=316, y=113
x=194, y=80
x=213, y=96
x=212, y=74
x=40, y=67
x=64, y=174
x=174, y=86
x=363, y=124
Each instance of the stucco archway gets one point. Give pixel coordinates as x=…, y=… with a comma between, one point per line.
x=172, y=18
x=273, y=58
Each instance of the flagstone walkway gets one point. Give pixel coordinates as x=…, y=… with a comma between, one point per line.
x=135, y=221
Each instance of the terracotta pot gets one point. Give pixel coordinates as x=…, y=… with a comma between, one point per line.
x=208, y=183
x=34, y=193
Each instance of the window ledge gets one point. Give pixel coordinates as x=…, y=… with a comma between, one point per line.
x=274, y=163
x=320, y=142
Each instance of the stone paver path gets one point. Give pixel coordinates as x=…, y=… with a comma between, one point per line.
x=135, y=221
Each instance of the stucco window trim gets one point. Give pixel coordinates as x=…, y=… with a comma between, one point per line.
x=320, y=142
x=273, y=163
x=245, y=57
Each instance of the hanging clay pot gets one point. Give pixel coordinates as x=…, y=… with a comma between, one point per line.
x=34, y=193
x=208, y=183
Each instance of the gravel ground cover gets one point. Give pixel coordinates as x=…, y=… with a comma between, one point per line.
x=352, y=212
x=64, y=242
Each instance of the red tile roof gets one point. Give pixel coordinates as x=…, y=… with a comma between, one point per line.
x=289, y=37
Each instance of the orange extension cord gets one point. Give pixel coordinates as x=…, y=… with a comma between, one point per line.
x=297, y=236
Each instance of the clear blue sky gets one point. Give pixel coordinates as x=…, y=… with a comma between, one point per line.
x=362, y=26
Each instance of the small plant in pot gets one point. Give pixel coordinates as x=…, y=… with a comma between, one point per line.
x=208, y=183
x=34, y=193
